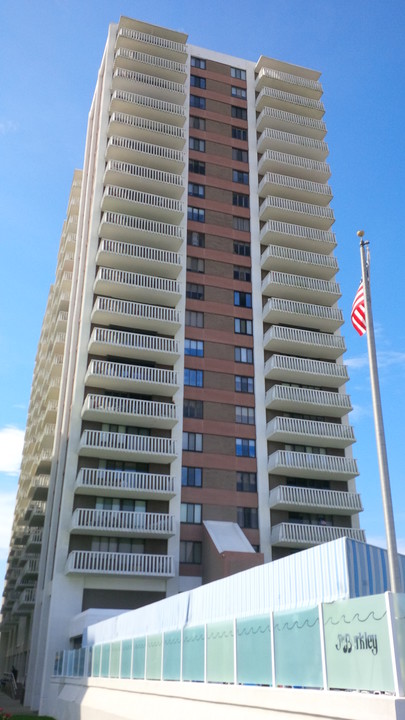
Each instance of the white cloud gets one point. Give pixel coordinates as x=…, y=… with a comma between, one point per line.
x=385, y=358
x=7, y=503
x=358, y=362
x=7, y=127
x=380, y=541
x=11, y=446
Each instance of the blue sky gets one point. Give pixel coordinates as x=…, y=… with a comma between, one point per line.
x=50, y=52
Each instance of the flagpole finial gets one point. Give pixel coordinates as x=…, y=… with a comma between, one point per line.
x=360, y=233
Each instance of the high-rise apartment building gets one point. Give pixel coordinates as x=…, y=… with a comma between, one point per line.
x=189, y=381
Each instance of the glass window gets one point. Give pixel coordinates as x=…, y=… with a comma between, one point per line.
x=243, y=355
x=190, y=513
x=247, y=517
x=246, y=482
x=240, y=200
x=196, y=239
x=198, y=82
x=244, y=384
x=194, y=319
x=196, y=190
x=197, y=102
x=240, y=248
x=239, y=134
x=191, y=476
x=238, y=112
x=240, y=177
x=243, y=327
x=196, y=166
x=193, y=409
x=195, y=264
x=196, y=214
x=197, y=144
x=242, y=299
x=194, y=291
x=242, y=273
x=238, y=92
x=197, y=123
x=192, y=441
x=192, y=377
x=239, y=155
x=190, y=552
x=194, y=347
x=238, y=73
x=198, y=62
x=245, y=415
x=245, y=447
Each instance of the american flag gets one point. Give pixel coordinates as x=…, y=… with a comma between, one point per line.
x=359, y=312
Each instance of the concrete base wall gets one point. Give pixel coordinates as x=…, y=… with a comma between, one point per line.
x=102, y=699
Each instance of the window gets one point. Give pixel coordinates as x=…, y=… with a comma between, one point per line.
x=191, y=476
x=242, y=273
x=245, y=415
x=240, y=177
x=241, y=249
x=194, y=347
x=194, y=319
x=196, y=214
x=190, y=513
x=306, y=449
x=238, y=112
x=198, y=82
x=193, y=409
x=239, y=155
x=192, y=441
x=196, y=239
x=115, y=544
x=194, y=378
x=240, y=200
x=245, y=447
x=239, y=134
x=194, y=291
x=197, y=123
x=242, y=299
x=190, y=552
x=196, y=166
x=247, y=517
x=197, y=102
x=198, y=62
x=238, y=92
x=196, y=190
x=238, y=73
x=243, y=327
x=195, y=264
x=246, y=482
x=239, y=223
x=244, y=384
x=197, y=144
x=243, y=355
x=104, y=503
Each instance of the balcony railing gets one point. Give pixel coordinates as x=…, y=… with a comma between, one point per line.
x=129, y=285
x=107, y=374
x=277, y=257
x=133, y=59
x=271, y=139
x=306, y=371
x=288, y=164
x=146, y=413
x=144, y=106
x=279, y=119
x=289, y=101
x=150, y=84
x=299, y=464
x=108, y=311
x=98, y=443
x=140, y=128
x=307, y=400
x=293, y=535
x=295, y=188
x=145, y=153
x=150, y=232
x=305, y=342
x=138, y=203
x=276, y=208
x=109, y=563
x=25, y=602
x=286, y=497
x=322, y=434
x=126, y=344
x=297, y=236
x=278, y=310
x=116, y=522
x=300, y=287
x=276, y=78
x=125, y=482
x=161, y=46
x=127, y=256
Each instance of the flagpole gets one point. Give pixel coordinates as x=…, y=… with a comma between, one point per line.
x=393, y=563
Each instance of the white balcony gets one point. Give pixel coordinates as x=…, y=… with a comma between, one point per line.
x=34, y=541
x=145, y=153
x=141, y=230
x=131, y=448
x=133, y=286
x=269, y=97
x=38, y=489
x=286, y=142
x=335, y=502
x=294, y=165
x=300, y=288
x=302, y=262
x=86, y=562
x=139, y=258
x=290, y=463
x=295, y=189
x=147, y=107
x=25, y=603
x=277, y=208
x=144, y=130
x=162, y=47
x=152, y=64
x=307, y=401
x=144, y=413
x=30, y=570
x=144, y=84
x=144, y=179
x=308, y=343
x=292, y=535
x=297, y=236
x=109, y=311
x=286, y=368
x=134, y=346
x=125, y=483
x=296, y=124
x=36, y=513
x=313, y=432
x=141, y=204
x=269, y=77
x=120, y=523
x=131, y=378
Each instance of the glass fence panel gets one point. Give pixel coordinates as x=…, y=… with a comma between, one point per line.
x=172, y=655
x=297, y=648
x=220, y=648
x=399, y=629
x=193, y=653
x=89, y=662
x=126, y=658
x=76, y=662
x=253, y=651
x=357, y=644
x=138, y=658
x=95, y=670
x=105, y=660
x=154, y=657
x=82, y=660
x=70, y=663
x=115, y=659
x=58, y=664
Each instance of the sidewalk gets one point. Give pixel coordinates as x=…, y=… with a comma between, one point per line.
x=14, y=707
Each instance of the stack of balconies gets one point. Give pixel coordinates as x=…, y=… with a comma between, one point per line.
x=307, y=430
x=130, y=381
